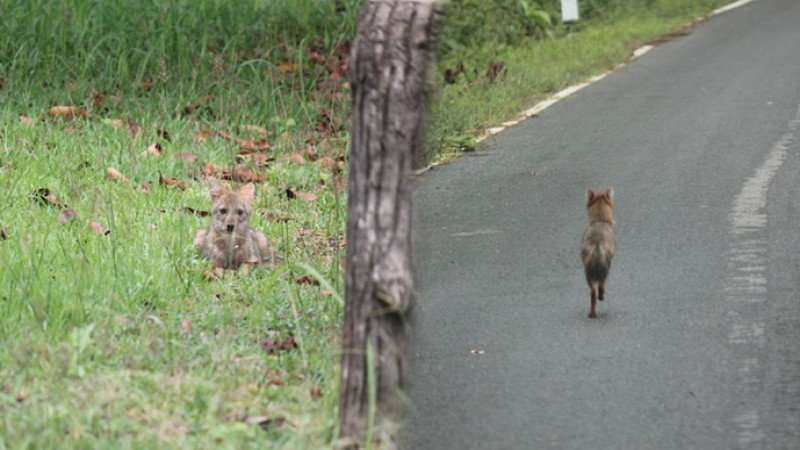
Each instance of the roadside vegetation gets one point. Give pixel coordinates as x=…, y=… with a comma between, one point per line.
x=113, y=115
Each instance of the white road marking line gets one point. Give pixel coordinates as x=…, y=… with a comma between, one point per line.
x=746, y=282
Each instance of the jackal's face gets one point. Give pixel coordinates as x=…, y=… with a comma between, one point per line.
x=600, y=206
x=230, y=210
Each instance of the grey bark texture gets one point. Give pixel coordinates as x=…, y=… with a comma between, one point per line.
x=391, y=55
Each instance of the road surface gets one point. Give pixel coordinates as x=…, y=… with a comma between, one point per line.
x=698, y=343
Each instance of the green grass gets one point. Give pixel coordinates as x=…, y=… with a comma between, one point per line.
x=117, y=340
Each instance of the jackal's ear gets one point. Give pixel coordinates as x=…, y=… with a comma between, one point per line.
x=609, y=193
x=215, y=190
x=246, y=192
x=590, y=195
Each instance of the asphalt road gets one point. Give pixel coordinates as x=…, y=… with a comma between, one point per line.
x=698, y=343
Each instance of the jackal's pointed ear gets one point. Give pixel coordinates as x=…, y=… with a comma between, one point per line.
x=609, y=193
x=246, y=192
x=215, y=190
x=590, y=195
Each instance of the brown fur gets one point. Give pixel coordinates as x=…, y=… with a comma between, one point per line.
x=597, y=246
x=229, y=243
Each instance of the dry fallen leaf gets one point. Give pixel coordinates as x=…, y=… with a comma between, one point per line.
x=186, y=325
x=145, y=187
x=296, y=158
x=312, y=155
x=25, y=120
x=202, y=135
x=154, y=150
x=67, y=112
x=305, y=196
x=133, y=128
x=254, y=129
x=306, y=279
x=329, y=163
x=44, y=196
x=97, y=228
x=316, y=393
x=198, y=212
x=288, y=68
x=191, y=108
x=3, y=233
x=66, y=216
x=255, y=158
x=167, y=181
x=258, y=145
x=188, y=157
x=115, y=175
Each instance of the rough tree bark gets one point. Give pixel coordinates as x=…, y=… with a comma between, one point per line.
x=391, y=55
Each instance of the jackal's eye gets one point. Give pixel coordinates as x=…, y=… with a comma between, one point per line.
x=223, y=210
x=240, y=211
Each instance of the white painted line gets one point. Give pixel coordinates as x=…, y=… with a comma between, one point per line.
x=746, y=285
x=642, y=50
x=730, y=7
x=476, y=233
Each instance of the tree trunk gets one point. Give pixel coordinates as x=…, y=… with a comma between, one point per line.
x=390, y=58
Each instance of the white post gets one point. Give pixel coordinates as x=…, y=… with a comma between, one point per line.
x=569, y=11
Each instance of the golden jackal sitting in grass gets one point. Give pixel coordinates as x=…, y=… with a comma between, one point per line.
x=597, y=247
x=229, y=243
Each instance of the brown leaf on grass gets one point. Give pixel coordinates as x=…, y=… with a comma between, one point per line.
x=154, y=150
x=316, y=393
x=306, y=279
x=254, y=128
x=67, y=112
x=198, y=212
x=306, y=196
x=207, y=170
x=97, y=100
x=242, y=176
x=46, y=198
x=69, y=130
x=288, y=67
x=115, y=175
x=25, y=120
x=316, y=57
x=164, y=180
x=192, y=108
x=296, y=158
x=312, y=155
x=185, y=325
x=145, y=188
x=264, y=422
x=258, y=145
x=273, y=345
x=254, y=158
x=496, y=69
x=133, y=128
x=4, y=233
x=97, y=228
x=67, y=216
x=188, y=157
x=202, y=135
x=329, y=163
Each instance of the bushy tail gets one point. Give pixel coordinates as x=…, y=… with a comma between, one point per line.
x=597, y=265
